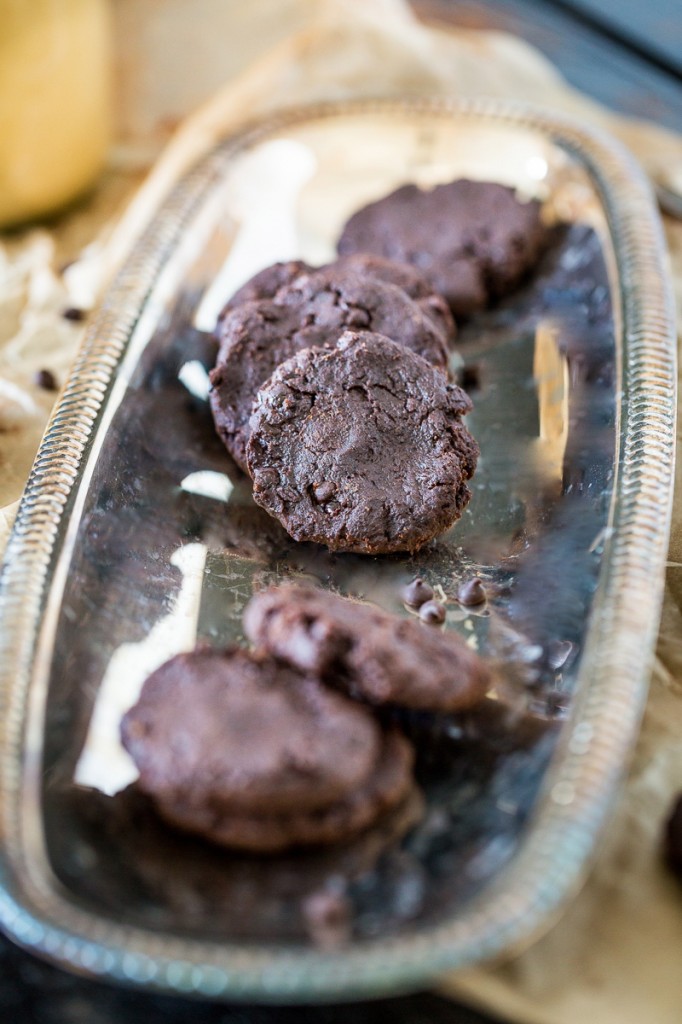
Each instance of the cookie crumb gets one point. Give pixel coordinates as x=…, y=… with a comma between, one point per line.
x=74, y=313
x=46, y=380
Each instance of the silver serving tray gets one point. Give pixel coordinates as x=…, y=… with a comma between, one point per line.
x=136, y=536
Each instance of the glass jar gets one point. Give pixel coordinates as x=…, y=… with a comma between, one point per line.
x=55, y=74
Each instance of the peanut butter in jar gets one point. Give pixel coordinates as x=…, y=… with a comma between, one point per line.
x=55, y=103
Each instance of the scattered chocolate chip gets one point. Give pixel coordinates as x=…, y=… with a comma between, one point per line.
x=416, y=593
x=471, y=593
x=46, y=380
x=432, y=612
x=672, y=840
x=469, y=377
x=327, y=915
x=75, y=314
x=324, y=492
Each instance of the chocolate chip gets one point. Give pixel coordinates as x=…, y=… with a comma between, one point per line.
x=75, y=314
x=471, y=593
x=267, y=478
x=416, y=593
x=432, y=612
x=46, y=380
x=672, y=840
x=324, y=492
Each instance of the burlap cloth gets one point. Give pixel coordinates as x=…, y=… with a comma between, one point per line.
x=616, y=955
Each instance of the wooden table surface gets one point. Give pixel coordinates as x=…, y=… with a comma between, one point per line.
x=626, y=53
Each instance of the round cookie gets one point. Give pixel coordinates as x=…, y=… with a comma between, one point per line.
x=362, y=447
x=388, y=785
x=256, y=337
x=231, y=732
x=381, y=658
x=472, y=240
x=267, y=283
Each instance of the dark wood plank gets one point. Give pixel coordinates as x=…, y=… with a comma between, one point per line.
x=655, y=29
x=611, y=73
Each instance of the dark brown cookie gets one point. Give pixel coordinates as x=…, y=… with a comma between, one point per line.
x=361, y=448
x=229, y=732
x=472, y=240
x=341, y=296
x=379, y=657
x=268, y=282
x=265, y=284
x=314, y=310
x=410, y=279
x=387, y=786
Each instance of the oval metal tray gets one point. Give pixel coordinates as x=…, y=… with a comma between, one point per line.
x=136, y=536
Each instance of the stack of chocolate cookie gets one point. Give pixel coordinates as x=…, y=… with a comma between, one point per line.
x=331, y=390
x=330, y=387
x=254, y=755
x=262, y=750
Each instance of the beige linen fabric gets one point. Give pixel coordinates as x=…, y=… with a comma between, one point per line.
x=615, y=956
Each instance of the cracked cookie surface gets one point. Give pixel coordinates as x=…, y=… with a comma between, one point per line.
x=361, y=447
x=268, y=282
x=314, y=310
x=472, y=240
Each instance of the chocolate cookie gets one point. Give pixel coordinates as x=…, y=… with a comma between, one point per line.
x=410, y=279
x=227, y=732
x=256, y=337
x=472, y=240
x=361, y=448
x=268, y=282
x=379, y=657
x=388, y=785
x=265, y=284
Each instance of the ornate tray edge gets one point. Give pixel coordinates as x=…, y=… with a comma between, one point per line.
x=601, y=732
